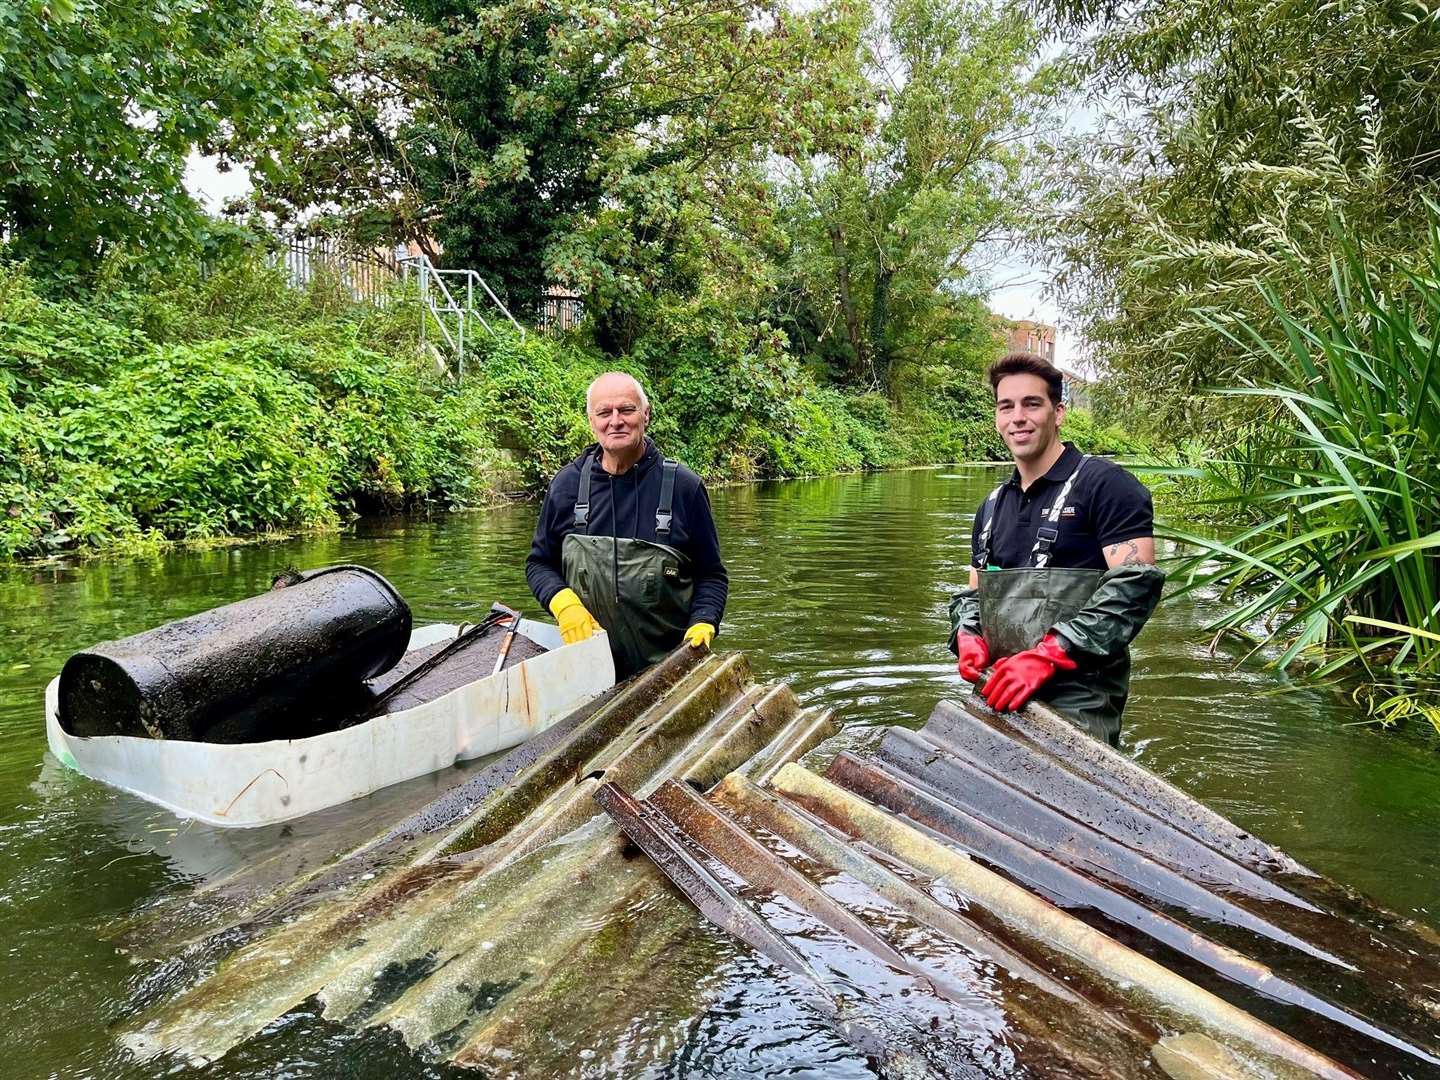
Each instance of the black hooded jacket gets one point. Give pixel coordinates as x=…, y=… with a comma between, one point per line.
x=624, y=506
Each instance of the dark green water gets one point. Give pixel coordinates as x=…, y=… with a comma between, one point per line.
x=838, y=585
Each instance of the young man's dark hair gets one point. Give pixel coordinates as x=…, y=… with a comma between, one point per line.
x=1025, y=363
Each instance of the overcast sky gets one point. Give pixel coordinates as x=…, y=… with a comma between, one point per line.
x=210, y=185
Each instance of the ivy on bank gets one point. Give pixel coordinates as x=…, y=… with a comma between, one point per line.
x=226, y=437
x=227, y=403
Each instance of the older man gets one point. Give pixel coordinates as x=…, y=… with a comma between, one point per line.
x=626, y=540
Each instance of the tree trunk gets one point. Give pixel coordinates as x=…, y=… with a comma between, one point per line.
x=880, y=323
x=847, y=302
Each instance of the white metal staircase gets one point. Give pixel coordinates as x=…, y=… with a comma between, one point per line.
x=451, y=312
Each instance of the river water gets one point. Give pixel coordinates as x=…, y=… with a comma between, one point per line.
x=838, y=585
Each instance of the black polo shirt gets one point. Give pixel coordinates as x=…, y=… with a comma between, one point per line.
x=1106, y=506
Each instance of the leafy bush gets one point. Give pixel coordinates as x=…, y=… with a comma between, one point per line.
x=723, y=384
x=209, y=439
x=107, y=436
x=950, y=415
x=1087, y=434
x=818, y=436
x=43, y=342
x=533, y=392
x=188, y=441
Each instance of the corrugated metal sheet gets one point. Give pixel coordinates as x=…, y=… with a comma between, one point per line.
x=1042, y=906
x=988, y=896
x=502, y=927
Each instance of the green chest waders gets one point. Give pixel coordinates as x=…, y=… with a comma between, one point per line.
x=1018, y=607
x=637, y=590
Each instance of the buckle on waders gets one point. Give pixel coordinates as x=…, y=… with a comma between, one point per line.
x=662, y=523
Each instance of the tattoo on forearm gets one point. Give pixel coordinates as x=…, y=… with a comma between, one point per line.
x=1132, y=556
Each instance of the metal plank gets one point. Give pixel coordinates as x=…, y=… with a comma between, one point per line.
x=1108, y=768
x=1126, y=970
x=652, y=832
x=727, y=843
x=560, y=764
x=1046, y=780
x=806, y=731
x=754, y=806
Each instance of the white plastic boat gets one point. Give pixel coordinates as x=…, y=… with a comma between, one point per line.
x=248, y=784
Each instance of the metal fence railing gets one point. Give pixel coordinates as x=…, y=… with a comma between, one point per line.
x=453, y=303
x=559, y=311
x=366, y=275
x=454, y=313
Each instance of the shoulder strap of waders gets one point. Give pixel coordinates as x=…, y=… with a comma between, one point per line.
x=983, y=551
x=582, y=497
x=668, y=469
x=1049, y=530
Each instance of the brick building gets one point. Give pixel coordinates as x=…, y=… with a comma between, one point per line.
x=1034, y=337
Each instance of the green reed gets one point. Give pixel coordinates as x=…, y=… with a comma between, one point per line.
x=1338, y=482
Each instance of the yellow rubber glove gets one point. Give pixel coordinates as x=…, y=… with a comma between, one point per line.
x=700, y=635
x=576, y=623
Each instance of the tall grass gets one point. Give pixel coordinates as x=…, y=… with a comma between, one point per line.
x=1340, y=485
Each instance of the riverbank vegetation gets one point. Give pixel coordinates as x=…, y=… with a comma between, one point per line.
x=225, y=403
x=1339, y=480
x=1238, y=222
x=202, y=405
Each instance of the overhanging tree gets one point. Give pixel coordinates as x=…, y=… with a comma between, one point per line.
x=547, y=142
x=1231, y=135
x=102, y=103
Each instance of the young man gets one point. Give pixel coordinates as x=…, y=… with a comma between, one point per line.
x=1063, y=565
x=626, y=540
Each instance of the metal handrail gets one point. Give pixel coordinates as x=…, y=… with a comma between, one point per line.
x=469, y=308
x=444, y=330
x=496, y=301
x=430, y=272
x=472, y=277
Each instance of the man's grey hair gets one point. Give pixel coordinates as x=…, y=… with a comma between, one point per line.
x=639, y=390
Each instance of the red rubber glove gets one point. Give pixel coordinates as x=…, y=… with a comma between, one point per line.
x=974, y=655
x=1016, y=678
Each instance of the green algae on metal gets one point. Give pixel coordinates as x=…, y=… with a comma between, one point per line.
x=456, y=951
x=511, y=803
x=1043, y=874
x=546, y=937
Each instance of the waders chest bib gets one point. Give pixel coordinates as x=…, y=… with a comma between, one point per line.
x=1018, y=607
x=638, y=590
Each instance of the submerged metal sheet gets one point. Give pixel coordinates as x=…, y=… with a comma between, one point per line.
x=989, y=896
x=503, y=926
x=1179, y=940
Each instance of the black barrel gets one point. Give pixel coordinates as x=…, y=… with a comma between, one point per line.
x=267, y=667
